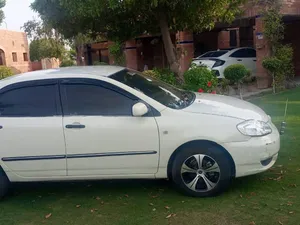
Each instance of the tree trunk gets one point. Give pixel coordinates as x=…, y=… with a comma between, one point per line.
x=240, y=90
x=169, y=47
x=80, y=54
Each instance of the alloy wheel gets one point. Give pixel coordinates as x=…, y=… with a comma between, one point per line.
x=200, y=173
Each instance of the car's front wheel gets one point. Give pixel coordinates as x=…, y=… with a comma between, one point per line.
x=201, y=172
x=4, y=183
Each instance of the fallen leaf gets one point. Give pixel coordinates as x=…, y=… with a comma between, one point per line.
x=154, y=209
x=298, y=170
x=241, y=196
x=98, y=198
x=168, y=216
x=279, y=166
x=48, y=215
x=126, y=196
x=151, y=204
x=78, y=206
x=93, y=210
x=102, y=202
x=182, y=201
x=283, y=188
x=291, y=212
x=154, y=196
x=167, y=207
x=280, y=222
x=278, y=178
x=252, y=223
x=293, y=185
x=253, y=193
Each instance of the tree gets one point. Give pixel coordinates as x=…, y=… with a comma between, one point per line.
x=2, y=4
x=46, y=43
x=122, y=20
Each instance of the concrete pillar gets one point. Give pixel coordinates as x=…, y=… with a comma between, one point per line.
x=264, y=80
x=131, y=55
x=185, y=43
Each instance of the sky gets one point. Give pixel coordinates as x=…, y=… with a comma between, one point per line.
x=17, y=12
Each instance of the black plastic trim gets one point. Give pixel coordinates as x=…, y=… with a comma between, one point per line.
x=75, y=156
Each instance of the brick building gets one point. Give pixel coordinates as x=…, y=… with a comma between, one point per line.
x=247, y=31
x=14, y=51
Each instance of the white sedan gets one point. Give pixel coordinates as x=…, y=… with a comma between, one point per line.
x=218, y=61
x=109, y=122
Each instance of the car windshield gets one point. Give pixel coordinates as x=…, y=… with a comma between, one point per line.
x=167, y=95
x=213, y=54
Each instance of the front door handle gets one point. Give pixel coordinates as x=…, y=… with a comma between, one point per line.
x=254, y=60
x=75, y=126
x=239, y=60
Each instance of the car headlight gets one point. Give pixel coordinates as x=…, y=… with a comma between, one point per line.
x=254, y=128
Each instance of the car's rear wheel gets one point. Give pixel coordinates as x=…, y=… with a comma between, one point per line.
x=4, y=183
x=201, y=172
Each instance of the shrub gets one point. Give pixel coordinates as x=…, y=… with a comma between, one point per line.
x=285, y=54
x=235, y=73
x=165, y=75
x=5, y=72
x=200, y=79
x=274, y=66
x=97, y=63
x=67, y=63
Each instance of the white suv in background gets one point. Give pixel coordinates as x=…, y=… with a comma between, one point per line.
x=220, y=59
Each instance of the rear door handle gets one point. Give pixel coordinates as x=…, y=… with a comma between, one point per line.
x=239, y=60
x=254, y=60
x=75, y=126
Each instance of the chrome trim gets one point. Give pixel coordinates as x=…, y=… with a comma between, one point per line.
x=33, y=158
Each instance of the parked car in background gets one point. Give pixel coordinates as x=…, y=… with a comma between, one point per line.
x=109, y=122
x=220, y=59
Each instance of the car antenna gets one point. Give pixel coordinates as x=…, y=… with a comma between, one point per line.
x=283, y=123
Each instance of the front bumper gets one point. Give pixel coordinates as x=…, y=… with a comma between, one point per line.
x=256, y=155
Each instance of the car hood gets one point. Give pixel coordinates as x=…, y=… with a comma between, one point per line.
x=226, y=106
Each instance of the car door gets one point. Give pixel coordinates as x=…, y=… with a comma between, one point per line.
x=31, y=132
x=241, y=57
x=102, y=136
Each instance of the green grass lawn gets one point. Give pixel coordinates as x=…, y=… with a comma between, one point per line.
x=269, y=198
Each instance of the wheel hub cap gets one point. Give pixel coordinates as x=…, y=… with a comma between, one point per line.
x=200, y=173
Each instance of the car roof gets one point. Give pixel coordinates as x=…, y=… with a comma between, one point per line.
x=104, y=71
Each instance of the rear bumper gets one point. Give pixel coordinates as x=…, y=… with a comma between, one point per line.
x=256, y=155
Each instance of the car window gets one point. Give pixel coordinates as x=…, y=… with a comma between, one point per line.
x=213, y=54
x=32, y=101
x=242, y=53
x=91, y=100
x=251, y=53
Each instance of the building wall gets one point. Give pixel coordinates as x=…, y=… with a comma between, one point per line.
x=15, y=42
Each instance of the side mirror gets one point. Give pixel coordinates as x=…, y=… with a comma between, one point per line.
x=139, y=109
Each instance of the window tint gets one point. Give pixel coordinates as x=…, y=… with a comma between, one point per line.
x=213, y=54
x=242, y=53
x=90, y=99
x=251, y=53
x=34, y=101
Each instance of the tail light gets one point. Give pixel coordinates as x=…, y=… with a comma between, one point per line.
x=218, y=62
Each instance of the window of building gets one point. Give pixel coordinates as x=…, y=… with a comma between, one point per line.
x=25, y=56
x=32, y=101
x=15, y=57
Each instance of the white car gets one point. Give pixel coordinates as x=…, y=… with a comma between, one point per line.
x=218, y=61
x=108, y=122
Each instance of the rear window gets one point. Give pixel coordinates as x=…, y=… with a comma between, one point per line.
x=213, y=54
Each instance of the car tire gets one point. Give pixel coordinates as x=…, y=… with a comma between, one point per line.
x=4, y=183
x=210, y=179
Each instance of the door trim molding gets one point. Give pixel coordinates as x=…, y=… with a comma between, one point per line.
x=76, y=156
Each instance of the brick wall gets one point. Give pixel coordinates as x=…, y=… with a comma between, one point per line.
x=15, y=42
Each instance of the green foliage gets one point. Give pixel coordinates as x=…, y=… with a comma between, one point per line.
x=46, y=48
x=235, y=73
x=166, y=75
x=97, y=63
x=200, y=78
x=272, y=64
x=2, y=16
x=285, y=54
x=116, y=50
x=67, y=63
x=5, y=72
x=273, y=25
